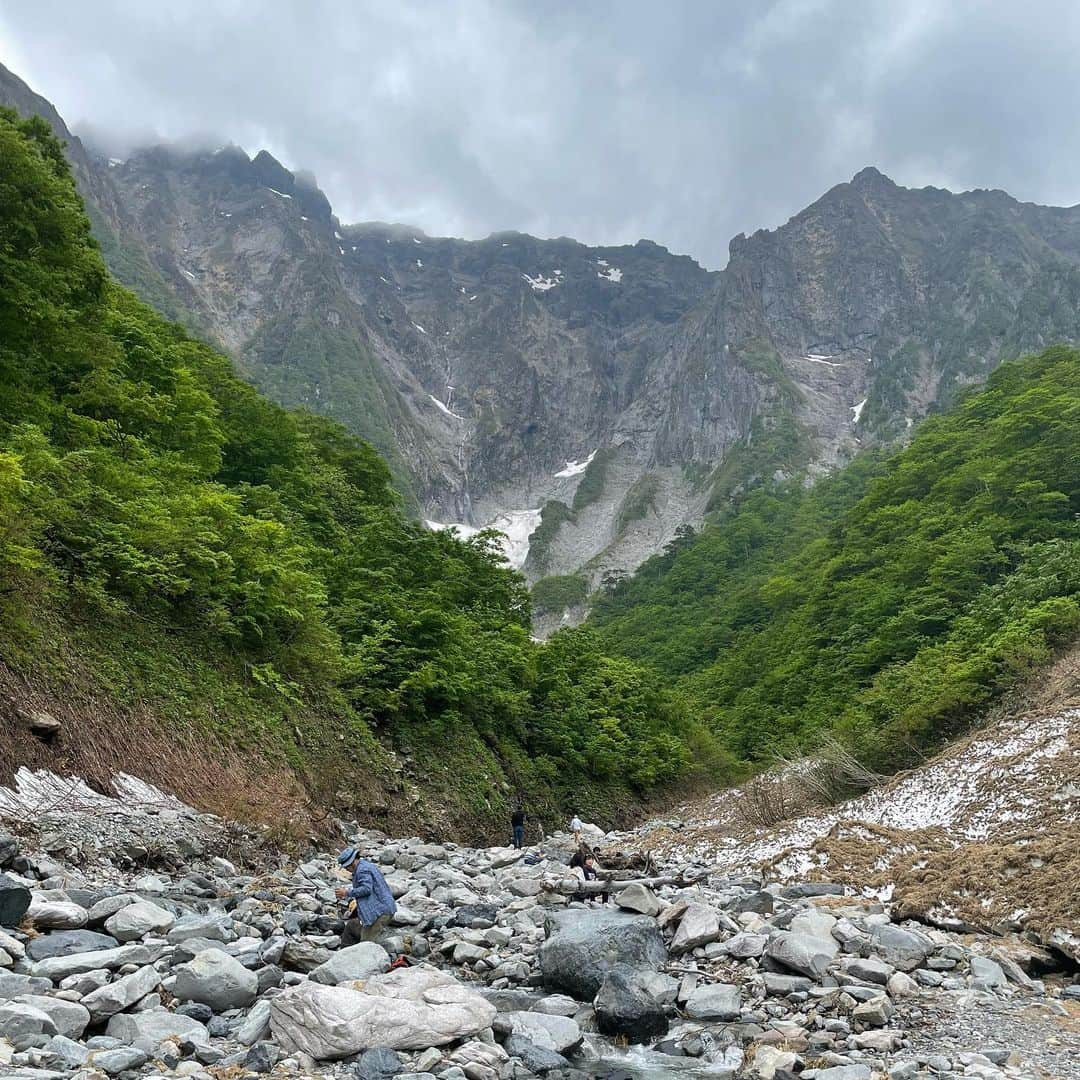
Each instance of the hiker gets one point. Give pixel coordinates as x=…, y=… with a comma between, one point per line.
x=371, y=904
x=583, y=864
x=517, y=825
x=575, y=829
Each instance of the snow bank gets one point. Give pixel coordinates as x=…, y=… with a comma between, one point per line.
x=856, y=410
x=574, y=468
x=515, y=525
x=445, y=409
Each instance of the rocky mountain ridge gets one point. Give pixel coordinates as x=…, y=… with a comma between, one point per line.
x=589, y=401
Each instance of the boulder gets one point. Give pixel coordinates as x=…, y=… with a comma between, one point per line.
x=378, y=1063
x=56, y=914
x=135, y=921
x=408, y=1009
x=71, y=1018
x=639, y=898
x=871, y=971
x=299, y=955
x=120, y=1059
x=537, y=1059
x=986, y=974
x=216, y=979
x=153, y=1026
x=14, y=901
x=18, y=1019
x=13, y=985
x=256, y=1026
x=904, y=949
x=625, y=1007
x=699, y=925
x=583, y=946
x=558, y=1033
x=807, y=955
x=68, y=943
x=60, y=967
x=714, y=1001
x=121, y=994
x=9, y=848
x=352, y=963
x=206, y=927
x=744, y=946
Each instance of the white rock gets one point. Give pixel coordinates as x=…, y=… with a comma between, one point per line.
x=55, y=914
x=408, y=1009
x=123, y=993
x=137, y=920
x=699, y=925
x=352, y=963
x=558, y=1033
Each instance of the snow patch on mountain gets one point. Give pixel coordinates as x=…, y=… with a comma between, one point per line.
x=575, y=468
x=517, y=526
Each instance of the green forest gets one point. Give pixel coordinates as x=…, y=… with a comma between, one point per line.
x=250, y=569
x=888, y=604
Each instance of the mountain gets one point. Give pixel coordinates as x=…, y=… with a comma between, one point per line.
x=591, y=401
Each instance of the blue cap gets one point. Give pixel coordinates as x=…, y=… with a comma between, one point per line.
x=347, y=856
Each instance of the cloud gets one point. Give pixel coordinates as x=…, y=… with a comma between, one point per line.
x=605, y=121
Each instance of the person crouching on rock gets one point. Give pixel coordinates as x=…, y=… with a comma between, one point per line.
x=371, y=904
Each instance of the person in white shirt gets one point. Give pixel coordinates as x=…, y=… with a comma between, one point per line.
x=575, y=828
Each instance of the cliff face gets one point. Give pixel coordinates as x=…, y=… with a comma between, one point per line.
x=588, y=401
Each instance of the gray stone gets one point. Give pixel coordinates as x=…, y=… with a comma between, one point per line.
x=807, y=955
x=844, y=1072
x=304, y=955
x=256, y=1026
x=714, y=1001
x=55, y=914
x=871, y=970
x=780, y=985
x=14, y=901
x=9, y=848
x=583, y=946
x=986, y=974
x=71, y=1018
x=68, y=943
x=60, y=967
x=743, y=946
x=206, y=927
x=216, y=979
x=18, y=1019
x=122, y=993
x=558, y=1033
x=149, y=1029
x=904, y=949
x=262, y=1057
x=378, y=1063
x=625, y=1006
x=73, y=1054
x=122, y=1059
x=135, y=921
x=537, y=1059
x=13, y=985
x=876, y=1012
x=639, y=898
x=699, y=925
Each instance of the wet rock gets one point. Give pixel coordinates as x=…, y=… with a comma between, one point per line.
x=558, y=1033
x=537, y=1059
x=625, y=1006
x=584, y=946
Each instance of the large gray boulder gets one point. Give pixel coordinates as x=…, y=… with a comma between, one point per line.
x=68, y=943
x=582, y=947
x=715, y=1001
x=18, y=1019
x=626, y=1007
x=904, y=949
x=55, y=914
x=408, y=1009
x=216, y=979
x=121, y=994
x=639, y=898
x=60, y=967
x=135, y=921
x=14, y=901
x=699, y=925
x=558, y=1033
x=149, y=1028
x=810, y=956
x=353, y=963
x=71, y=1018
x=206, y=927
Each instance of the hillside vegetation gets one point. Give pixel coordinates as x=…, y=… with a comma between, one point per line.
x=172, y=541
x=888, y=604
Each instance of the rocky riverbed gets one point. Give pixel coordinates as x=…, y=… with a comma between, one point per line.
x=143, y=939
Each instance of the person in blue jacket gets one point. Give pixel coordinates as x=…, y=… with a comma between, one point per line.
x=371, y=904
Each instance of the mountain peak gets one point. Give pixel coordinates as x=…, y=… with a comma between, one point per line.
x=871, y=177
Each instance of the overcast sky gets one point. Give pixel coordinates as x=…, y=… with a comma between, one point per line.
x=607, y=121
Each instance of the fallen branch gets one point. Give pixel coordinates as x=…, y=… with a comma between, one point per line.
x=571, y=885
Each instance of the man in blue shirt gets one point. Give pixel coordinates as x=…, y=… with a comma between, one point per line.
x=371, y=904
